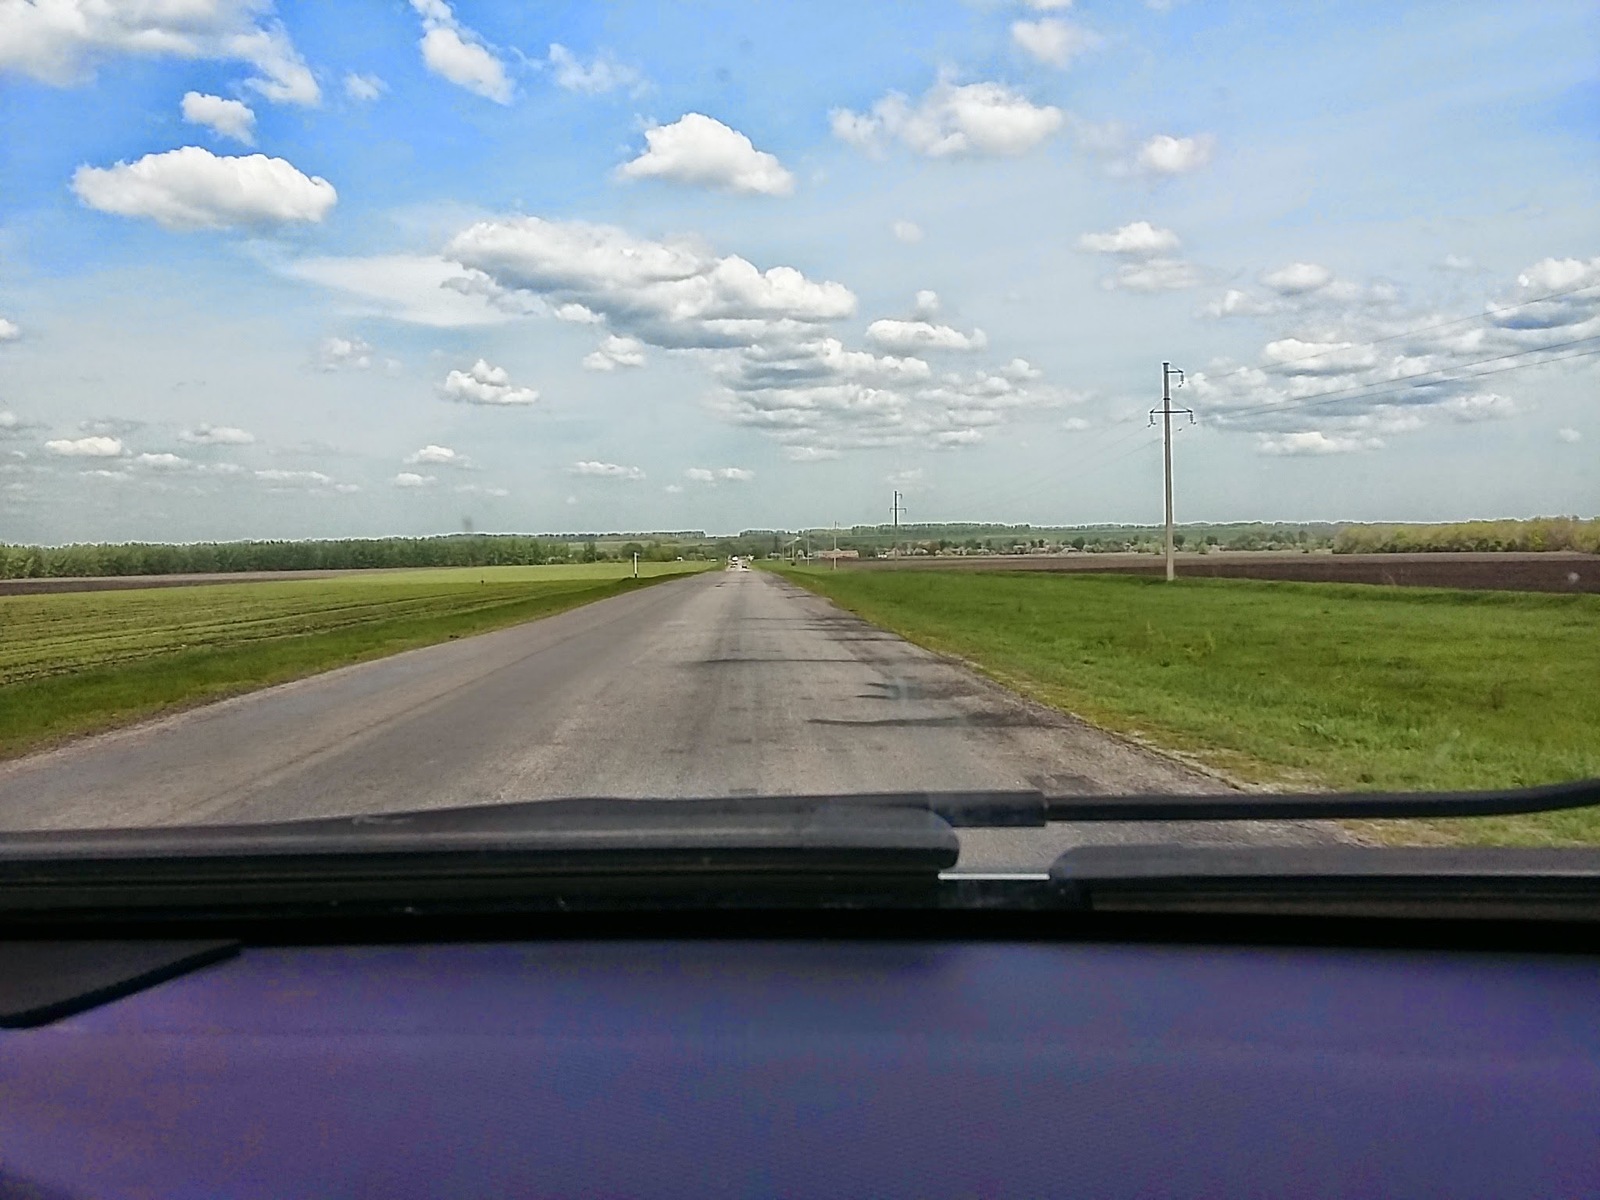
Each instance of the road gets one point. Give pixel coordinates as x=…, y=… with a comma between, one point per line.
x=723, y=684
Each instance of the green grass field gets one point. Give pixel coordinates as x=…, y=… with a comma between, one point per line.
x=1323, y=685
x=75, y=662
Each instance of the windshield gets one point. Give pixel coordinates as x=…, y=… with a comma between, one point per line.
x=433, y=405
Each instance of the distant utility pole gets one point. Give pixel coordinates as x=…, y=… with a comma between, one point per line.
x=836, y=545
x=1166, y=410
x=636, y=564
x=897, y=509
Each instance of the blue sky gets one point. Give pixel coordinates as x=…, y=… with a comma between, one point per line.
x=326, y=269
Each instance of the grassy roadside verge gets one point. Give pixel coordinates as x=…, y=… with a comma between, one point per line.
x=1289, y=684
x=81, y=663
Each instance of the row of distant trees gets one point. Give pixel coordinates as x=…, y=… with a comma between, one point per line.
x=1540, y=533
x=465, y=550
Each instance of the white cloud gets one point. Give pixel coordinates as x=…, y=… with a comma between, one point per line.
x=1237, y=303
x=231, y=118
x=810, y=454
x=437, y=456
x=605, y=470
x=483, y=384
x=1570, y=436
x=615, y=352
x=410, y=479
x=669, y=294
x=700, y=150
x=282, y=478
x=86, y=447
x=908, y=232
x=601, y=74
x=952, y=120
x=1138, y=239
x=455, y=53
x=1298, y=279
x=1167, y=155
x=1153, y=275
x=1075, y=425
x=345, y=489
x=673, y=489
x=719, y=475
x=925, y=305
x=1457, y=262
x=163, y=462
x=1480, y=406
x=418, y=289
x=577, y=314
x=338, y=353
x=923, y=335
x=1053, y=41
x=216, y=435
x=479, y=489
x=363, y=88
x=1296, y=357
x=1049, y=5
x=9, y=330
x=62, y=42
x=191, y=188
x=1314, y=442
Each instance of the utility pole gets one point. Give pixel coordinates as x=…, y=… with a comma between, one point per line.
x=836, y=545
x=1166, y=410
x=894, y=551
x=636, y=564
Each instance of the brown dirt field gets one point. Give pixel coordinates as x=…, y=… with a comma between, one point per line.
x=1549, y=572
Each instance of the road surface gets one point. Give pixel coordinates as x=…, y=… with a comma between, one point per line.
x=723, y=684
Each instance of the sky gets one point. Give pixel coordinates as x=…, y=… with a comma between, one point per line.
x=355, y=269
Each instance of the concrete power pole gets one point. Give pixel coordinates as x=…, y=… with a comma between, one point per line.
x=836, y=545
x=894, y=551
x=1166, y=410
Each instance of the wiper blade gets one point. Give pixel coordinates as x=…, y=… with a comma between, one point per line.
x=1476, y=882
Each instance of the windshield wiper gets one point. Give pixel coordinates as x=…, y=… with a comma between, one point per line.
x=811, y=851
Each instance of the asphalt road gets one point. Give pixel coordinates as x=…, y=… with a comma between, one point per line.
x=724, y=684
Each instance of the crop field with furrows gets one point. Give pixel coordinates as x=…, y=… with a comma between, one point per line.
x=1293, y=685
x=81, y=661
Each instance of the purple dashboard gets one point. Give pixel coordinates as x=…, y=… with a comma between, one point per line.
x=828, y=1069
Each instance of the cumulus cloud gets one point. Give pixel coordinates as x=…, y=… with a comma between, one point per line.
x=1168, y=155
x=700, y=150
x=191, y=188
x=1570, y=436
x=764, y=334
x=615, y=352
x=163, y=462
x=293, y=479
x=600, y=74
x=342, y=354
x=437, y=456
x=1138, y=239
x=216, y=435
x=1052, y=41
x=719, y=475
x=363, y=88
x=9, y=330
x=62, y=42
x=410, y=479
x=670, y=294
x=483, y=384
x=230, y=118
x=86, y=447
x=1355, y=371
x=908, y=336
x=480, y=489
x=455, y=53
x=1237, y=303
x=418, y=289
x=908, y=232
x=605, y=470
x=810, y=454
x=952, y=120
x=1298, y=279
x=1153, y=275
x=1313, y=441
